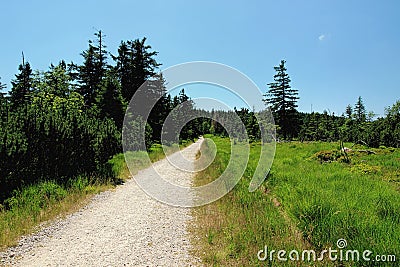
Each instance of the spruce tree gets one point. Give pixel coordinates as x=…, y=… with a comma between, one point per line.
x=109, y=101
x=360, y=111
x=56, y=80
x=21, y=89
x=282, y=100
x=157, y=96
x=144, y=64
x=124, y=68
x=93, y=70
x=135, y=64
x=349, y=111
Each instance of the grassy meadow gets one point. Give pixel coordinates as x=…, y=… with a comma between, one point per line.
x=309, y=200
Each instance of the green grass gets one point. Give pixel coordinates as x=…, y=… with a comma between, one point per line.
x=32, y=205
x=303, y=204
x=234, y=228
x=337, y=200
x=38, y=203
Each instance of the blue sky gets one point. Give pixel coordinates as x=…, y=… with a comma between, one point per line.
x=335, y=50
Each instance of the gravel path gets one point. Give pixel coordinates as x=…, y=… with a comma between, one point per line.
x=123, y=227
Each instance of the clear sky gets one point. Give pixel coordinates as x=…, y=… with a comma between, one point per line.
x=335, y=50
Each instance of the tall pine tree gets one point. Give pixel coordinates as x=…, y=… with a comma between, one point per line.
x=93, y=70
x=109, y=100
x=360, y=111
x=282, y=100
x=156, y=93
x=135, y=64
x=21, y=89
x=349, y=111
x=124, y=68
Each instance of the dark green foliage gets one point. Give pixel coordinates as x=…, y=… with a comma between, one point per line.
x=353, y=127
x=359, y=110
x=349, y=111
x=134, y=65
x=251, y=123
x=282, y=100
x=93, y=70
x=57, y=80
x=109, y=101
x=237, y=123
x=21, y=90
x=67, y=121
x=49, y=141
x=316, y=126
x=136, y=130
x=184, y=110
x=163, y=106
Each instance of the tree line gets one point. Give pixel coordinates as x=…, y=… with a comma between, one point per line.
x=354, y=125
x=68, y=120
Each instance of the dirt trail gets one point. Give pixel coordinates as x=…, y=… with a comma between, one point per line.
x=124, y=227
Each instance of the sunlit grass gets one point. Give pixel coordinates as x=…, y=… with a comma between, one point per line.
x=302, y=204
x=41, y=202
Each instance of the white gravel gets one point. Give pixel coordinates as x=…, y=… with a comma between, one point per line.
x=122, y=227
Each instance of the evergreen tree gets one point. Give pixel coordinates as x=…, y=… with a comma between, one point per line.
x=135, y=64
x=124, y=69
x=393, y=110
x=56, y=80
x=93, y=70
x=360, y=111
x=144, y=64
x=309, y=127
x=156, y=93
x=110, y=102
x=349, y=111
x=283, y=101
x=22, y=86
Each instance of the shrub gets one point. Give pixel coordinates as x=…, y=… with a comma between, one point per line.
x=328, y=155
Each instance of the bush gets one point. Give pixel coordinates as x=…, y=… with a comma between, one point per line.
x=363, y=168
x=328, y=155
x=38, y=143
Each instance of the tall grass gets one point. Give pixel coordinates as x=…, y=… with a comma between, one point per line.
x=37, y=203
x=335, y=200
x=303, y=204
x=233, y=229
